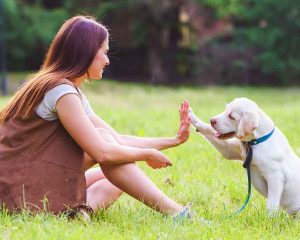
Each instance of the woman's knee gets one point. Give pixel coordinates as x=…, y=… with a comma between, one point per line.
x=104, y=187
x=116, y=172
x=102, y=194
x=93, y=175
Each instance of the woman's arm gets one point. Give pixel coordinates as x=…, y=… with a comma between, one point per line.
x=156, y=143
x=78, y=125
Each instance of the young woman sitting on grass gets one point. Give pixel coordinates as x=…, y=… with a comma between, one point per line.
x=50, y=137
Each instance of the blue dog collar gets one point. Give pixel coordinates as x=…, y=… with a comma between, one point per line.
x=261, y=139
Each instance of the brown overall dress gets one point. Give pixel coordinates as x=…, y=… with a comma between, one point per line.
x=40, y=166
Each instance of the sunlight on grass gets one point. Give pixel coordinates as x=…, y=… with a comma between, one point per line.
x=199, y=175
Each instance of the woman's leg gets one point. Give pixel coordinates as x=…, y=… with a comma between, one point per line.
x=130, y=179
x=100, y=192
x=93, y=175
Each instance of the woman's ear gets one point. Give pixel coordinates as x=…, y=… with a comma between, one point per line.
x=247, y=124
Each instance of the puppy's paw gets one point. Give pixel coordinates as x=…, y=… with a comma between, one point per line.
x=273, y=212
x=196, y=122
x=193, y=117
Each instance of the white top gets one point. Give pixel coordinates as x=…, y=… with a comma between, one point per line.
x=47, y=108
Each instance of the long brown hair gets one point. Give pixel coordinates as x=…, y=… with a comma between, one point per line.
x=69, y=56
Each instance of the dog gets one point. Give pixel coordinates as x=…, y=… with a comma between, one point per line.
x=275, y=168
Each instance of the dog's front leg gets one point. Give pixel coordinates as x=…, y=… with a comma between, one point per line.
x=199, y=125
x=230, y=149
x=275, y=189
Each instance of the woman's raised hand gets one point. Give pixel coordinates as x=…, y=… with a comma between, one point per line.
x=185, y=122
x=156, y=159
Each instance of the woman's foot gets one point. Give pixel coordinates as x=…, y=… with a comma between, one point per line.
x=185, y=213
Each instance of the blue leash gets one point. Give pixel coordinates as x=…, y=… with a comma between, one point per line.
x=247, y=163
x=247, y=166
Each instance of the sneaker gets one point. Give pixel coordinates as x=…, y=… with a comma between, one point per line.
x=80, y=211
x=185, y=213
x=84, y=216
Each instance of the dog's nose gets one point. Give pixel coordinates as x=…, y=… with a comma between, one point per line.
x=213, y=122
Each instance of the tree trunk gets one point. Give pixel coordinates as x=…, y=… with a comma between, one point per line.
x=158, y=75
x=163, y=38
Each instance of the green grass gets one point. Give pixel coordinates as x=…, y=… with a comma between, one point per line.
x=199, y=175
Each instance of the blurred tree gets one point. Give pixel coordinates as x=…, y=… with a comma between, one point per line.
x=148, y=33
x=3, y=57
x=159, y=20
x=30, y=29
x=155, y=24
x=272, y=27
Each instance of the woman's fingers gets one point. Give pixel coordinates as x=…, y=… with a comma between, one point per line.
x=185, y=121
x=184, y=114
x=158, y=160
x=155, y=165
x=184, y=110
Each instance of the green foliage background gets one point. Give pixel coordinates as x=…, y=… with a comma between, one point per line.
x=266, y=30
x=271, y=28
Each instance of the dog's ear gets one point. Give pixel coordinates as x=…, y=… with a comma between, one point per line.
x=247, y=124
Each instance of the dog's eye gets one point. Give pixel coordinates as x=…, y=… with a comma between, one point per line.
x=231, y=117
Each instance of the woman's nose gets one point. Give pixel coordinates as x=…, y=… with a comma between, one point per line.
x=107, y=61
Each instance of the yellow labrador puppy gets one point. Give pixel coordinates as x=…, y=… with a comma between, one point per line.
x=275, y=168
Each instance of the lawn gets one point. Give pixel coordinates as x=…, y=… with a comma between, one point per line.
x=199, y=175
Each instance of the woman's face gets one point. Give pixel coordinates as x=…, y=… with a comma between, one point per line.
x=95, y=70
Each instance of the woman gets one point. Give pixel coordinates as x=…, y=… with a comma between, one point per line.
x=50, y=137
